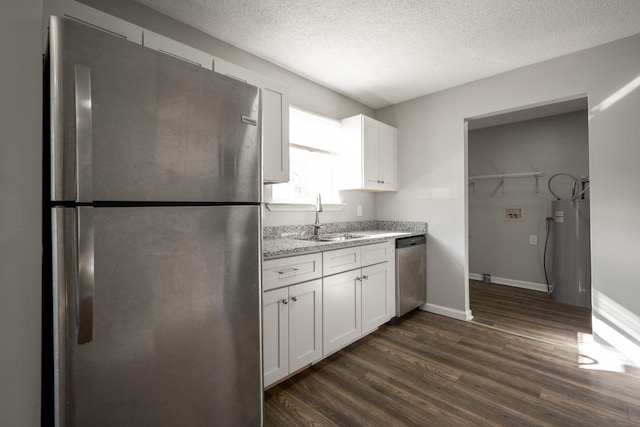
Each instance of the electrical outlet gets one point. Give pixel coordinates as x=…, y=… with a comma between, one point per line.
x=359, y=210
x=533, y=240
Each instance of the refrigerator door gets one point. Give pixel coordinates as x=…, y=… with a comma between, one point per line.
x=132, y=124
x=175, y=316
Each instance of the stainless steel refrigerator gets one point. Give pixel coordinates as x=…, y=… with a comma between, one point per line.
x=155, y=186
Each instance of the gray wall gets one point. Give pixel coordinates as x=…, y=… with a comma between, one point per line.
x=549, y=145
x=433, y=177
x=303, y=93
x=20, y=211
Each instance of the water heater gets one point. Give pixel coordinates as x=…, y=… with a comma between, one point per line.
x=571, y=278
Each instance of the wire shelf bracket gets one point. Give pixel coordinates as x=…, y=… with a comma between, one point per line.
x=504, y=176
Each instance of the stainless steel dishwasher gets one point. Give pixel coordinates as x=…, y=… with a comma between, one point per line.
x=411, y=273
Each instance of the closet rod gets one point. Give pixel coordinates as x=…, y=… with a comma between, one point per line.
x=507, y=175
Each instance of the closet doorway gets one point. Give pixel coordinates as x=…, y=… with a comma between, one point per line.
x=511, y=157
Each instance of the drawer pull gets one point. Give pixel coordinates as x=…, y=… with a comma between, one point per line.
x=287, y=270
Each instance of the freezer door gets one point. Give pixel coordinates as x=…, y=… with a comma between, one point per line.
x=175, y=321
x=132, y=124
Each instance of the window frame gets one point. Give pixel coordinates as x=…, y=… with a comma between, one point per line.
x=306, y=204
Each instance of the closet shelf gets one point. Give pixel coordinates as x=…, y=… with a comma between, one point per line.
x=502, y=176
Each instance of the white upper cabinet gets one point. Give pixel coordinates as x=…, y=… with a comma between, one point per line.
x=275, y=130
x=275, y=97
x=370, y=155
x=97, y=19
x=232, y=70
x=275, y=120
x=388, y=156
x=179, y=50
x=131, y=32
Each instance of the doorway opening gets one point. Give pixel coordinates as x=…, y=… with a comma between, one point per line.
x=524, y=276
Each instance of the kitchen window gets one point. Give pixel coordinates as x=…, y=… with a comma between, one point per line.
x=313, y=159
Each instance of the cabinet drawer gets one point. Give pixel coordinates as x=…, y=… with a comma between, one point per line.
x=380, y=252
x=340, y=260
x=287, y=271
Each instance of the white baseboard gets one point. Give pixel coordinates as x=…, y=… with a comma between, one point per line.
x=512, y=282
x=447, y=311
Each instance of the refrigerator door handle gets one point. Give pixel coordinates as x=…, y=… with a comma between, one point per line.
x=86, y=279
x=84, y=132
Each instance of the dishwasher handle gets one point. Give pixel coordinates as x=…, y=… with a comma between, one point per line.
x=406, y=242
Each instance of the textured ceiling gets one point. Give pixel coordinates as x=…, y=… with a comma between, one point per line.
x=381, y=52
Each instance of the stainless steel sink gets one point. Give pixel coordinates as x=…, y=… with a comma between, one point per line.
x=333, y=237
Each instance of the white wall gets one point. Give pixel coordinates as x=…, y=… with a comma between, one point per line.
x=302, y=93
x=330, y=214
x=550, y=145
x=20, y=211
x=433, y=181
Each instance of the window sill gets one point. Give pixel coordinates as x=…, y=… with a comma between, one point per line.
x=298, y=207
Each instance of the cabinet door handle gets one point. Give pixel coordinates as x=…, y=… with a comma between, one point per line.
x=285, y=301
x=365, y=277
x=359, y=279
x=287, y=270
x=294, y=299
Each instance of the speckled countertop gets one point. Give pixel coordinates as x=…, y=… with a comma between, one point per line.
x=284, y=241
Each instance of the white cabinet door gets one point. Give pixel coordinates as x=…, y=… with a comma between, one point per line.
x=341, y=308
x=369, y=155
x=275, y=130
x=388, y=157
x=96, y=18
x=176, y=49
x=305, y=324
x=235, y=71
x=275, y=335
x=275, y=120
x=378, y=295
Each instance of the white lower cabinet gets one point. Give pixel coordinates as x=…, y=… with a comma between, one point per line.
x=378, y=296
x=275, y=335
x=291, y=329
x=341, y=305
x=355, y=303
x=303, y=322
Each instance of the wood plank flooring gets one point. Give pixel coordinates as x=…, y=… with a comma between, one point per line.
x=431, y=370
x=528, y=312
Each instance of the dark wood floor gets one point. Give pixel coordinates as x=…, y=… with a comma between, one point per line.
x=527, y=312
x=431, y=370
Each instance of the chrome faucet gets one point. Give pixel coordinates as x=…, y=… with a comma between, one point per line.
x=316, y=225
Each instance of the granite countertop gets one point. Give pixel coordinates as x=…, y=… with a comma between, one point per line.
x=287, y=241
